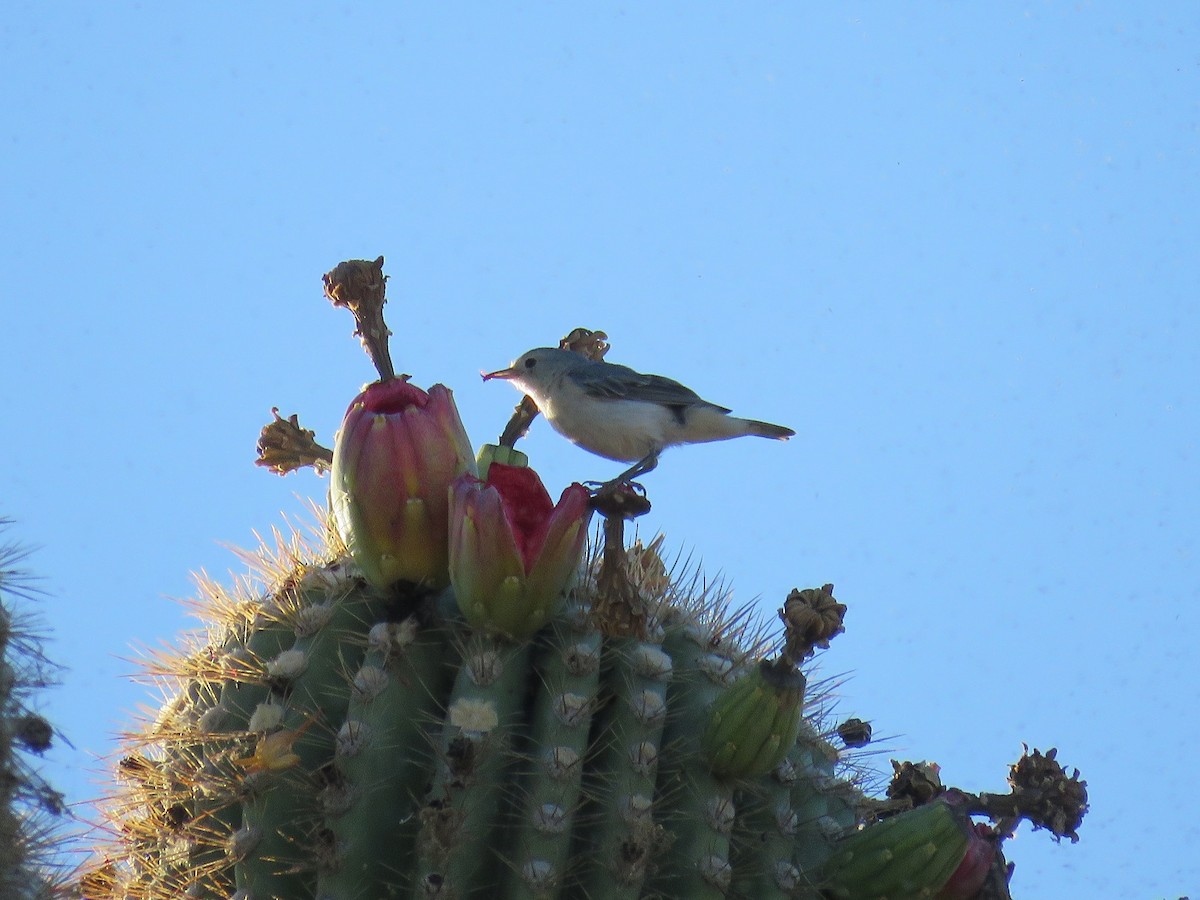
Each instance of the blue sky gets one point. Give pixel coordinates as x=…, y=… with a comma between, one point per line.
x=952, y=245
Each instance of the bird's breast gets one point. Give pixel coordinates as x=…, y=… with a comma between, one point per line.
x=623, y=430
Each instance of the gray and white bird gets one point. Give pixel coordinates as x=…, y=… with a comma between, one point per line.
x=621, y=414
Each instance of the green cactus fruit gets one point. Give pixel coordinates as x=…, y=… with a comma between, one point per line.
x=755, y=721
x=910, y=855
x=334, y=741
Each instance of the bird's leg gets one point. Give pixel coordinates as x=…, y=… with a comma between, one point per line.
x=621, y=498
x=646, y=464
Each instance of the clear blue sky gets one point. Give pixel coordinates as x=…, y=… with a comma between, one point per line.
x=953, y=245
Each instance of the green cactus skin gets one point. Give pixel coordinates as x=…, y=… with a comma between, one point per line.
x=335, y=741
x=624, y=835
x=371, y=808
x=763, y=838
x=569, y=668
x=311, y=679
x=826, y=806
x=699, y=807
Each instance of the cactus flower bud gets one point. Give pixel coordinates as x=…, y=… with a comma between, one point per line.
x=755, y=721
x=513, y=552
x=396, y=453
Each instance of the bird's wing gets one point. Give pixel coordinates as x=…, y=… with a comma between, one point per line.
x=609, y=381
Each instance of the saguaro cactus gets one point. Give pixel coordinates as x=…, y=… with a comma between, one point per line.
x=552, y=725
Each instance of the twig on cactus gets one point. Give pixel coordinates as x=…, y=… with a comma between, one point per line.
x=618, y=609
x=518, y=426
x=360, y=286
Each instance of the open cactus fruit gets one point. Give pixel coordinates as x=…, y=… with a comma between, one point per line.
x=447, y=694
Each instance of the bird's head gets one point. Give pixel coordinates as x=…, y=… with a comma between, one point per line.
x=532, y=372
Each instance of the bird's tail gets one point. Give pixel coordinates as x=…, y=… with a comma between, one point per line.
x=767, y=430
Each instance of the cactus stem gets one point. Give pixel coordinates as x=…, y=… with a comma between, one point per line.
x=474, y=751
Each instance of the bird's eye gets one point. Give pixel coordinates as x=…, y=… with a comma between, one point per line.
x=530, y=363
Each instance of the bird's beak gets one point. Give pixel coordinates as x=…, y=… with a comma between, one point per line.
x=501, y=373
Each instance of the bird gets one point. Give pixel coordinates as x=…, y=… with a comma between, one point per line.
x=621, y=414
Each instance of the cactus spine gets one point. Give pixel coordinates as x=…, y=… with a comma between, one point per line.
x=29, y=807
